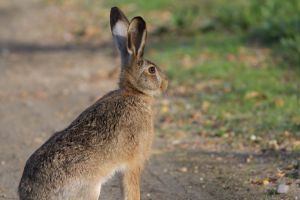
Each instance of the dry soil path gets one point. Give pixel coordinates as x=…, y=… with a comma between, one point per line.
x=46, y=82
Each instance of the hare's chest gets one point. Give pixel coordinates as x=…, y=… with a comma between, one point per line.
x=145, y=140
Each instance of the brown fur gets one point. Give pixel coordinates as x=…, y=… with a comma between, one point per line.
x=115, y=133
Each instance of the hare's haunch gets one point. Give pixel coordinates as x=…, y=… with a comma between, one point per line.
x=114, y=134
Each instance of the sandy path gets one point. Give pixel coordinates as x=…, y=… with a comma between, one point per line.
x=46, y=82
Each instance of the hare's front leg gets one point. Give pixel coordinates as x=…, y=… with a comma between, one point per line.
x=131, y=183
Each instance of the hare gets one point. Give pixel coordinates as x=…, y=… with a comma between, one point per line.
x=114, y=134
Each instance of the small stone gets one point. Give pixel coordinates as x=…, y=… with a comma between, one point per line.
x=183, y=169
x=175, y=142
x=253, y=137
x=219, y=158
x=282, y=188
x=249, y=159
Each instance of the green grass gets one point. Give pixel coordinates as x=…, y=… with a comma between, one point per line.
x=269, y=112
x=274, y=106
x=248, y=91
x=271, y=22
x=142, y=5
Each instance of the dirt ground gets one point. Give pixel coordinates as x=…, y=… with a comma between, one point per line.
x=43, y=87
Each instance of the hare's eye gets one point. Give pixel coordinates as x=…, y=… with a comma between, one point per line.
x=151, y=70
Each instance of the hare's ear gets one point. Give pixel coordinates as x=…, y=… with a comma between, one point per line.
x=119, y=26
x=137, y=34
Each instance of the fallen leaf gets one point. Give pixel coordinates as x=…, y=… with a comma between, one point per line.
x=187, y=62
x=273, y=144
x=261, y=182
x=280, y=174
x=279, y=102
x=273, y=179
x=286, y=134
x=296, y=120
x=296, y=144
x=251, y=95
x=196, y=116
x=265, y=182
x=290, y=167
x=164, y=109
x=231, y=57
x=205, y=105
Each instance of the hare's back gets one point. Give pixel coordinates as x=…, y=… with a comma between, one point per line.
x=89, y=142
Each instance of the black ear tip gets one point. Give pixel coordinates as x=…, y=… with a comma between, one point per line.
x=115, y=15
x=139, y=19
x=114, y=9
x=141, y=24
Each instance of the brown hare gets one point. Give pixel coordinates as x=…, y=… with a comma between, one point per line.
x=114, y=134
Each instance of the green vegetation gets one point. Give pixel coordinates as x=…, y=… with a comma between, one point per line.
x=241, y=88
x=225, y=61
x=246, y=94
x=271, y=22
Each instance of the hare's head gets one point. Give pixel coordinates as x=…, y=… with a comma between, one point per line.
x=137, y=73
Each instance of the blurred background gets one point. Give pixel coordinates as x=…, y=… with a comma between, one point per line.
x=229, y=125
